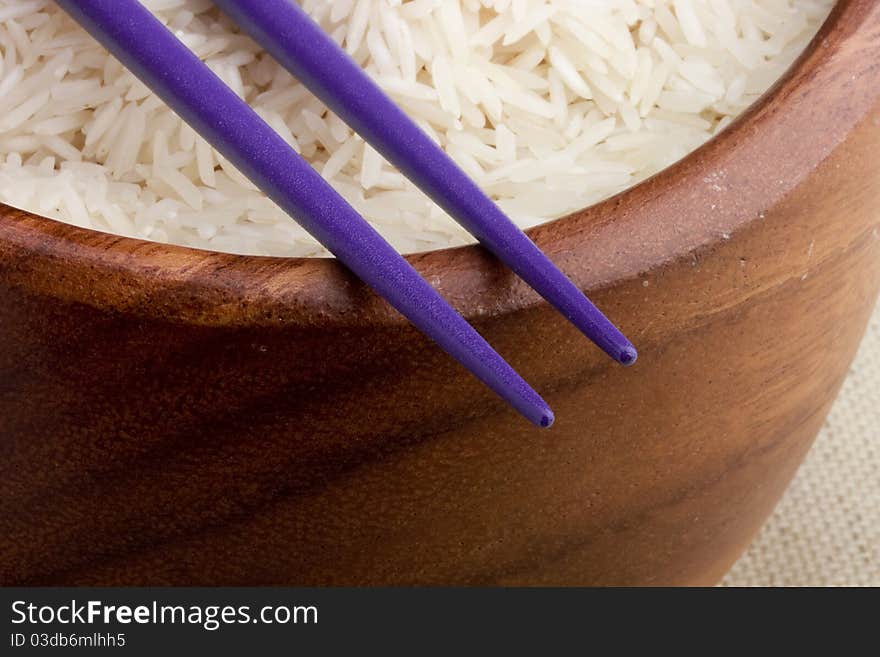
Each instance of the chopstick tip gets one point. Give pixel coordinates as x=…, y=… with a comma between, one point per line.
x=628, y=355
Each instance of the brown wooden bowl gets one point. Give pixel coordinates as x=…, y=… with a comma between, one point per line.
x=171, y=416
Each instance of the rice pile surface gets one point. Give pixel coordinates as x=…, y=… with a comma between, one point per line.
x=549, y=105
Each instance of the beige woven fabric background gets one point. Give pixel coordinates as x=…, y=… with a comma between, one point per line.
x=826, y=530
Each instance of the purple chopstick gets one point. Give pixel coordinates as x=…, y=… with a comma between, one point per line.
x=301, y=46
x=131, y=33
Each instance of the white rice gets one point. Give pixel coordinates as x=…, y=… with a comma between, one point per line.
x=551, y=105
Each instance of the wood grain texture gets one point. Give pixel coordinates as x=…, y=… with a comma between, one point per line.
x=170, y=416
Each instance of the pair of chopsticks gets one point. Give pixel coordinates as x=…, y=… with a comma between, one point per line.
x=140, y=41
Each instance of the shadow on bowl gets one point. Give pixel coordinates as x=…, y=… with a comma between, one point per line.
x=172, y=416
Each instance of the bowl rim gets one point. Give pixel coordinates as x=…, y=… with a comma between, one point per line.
x=598, y=245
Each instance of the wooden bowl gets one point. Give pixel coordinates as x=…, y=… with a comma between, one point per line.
x=171, y=416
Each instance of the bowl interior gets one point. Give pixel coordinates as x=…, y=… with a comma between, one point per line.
x=596, y=245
